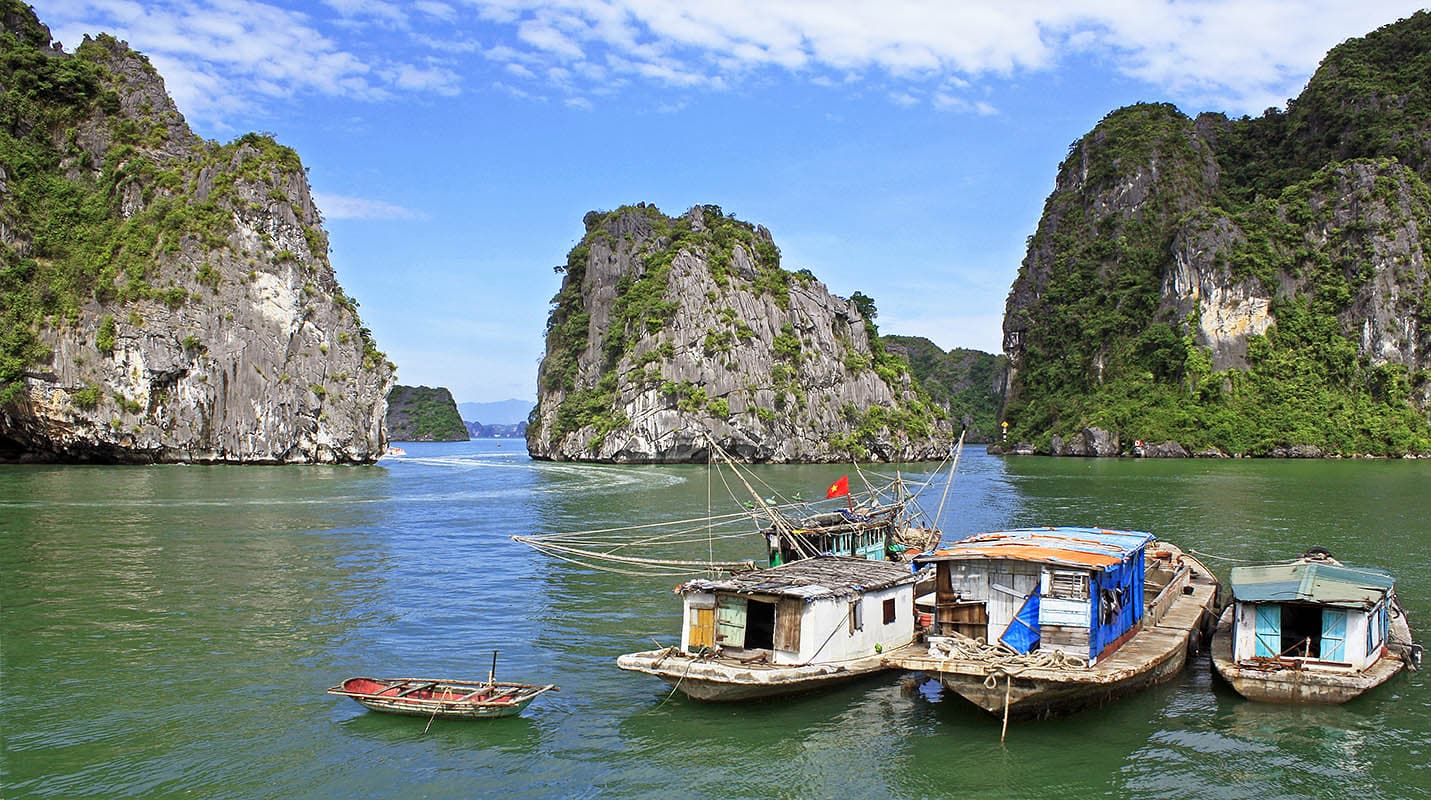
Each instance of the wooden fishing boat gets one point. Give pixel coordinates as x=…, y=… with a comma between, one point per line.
x=1036, y=622
x=1311, y=631
x=439, y=698
x=882, y=522
x=800, y=626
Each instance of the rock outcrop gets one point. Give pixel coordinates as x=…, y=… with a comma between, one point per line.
x=423, y=414
x=1252, y=286
x=167, y=298
x=667, y=331
x=968, y=383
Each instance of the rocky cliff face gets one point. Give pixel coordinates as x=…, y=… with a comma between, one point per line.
x=167, y=298
x=423, y=414
x=667, y=331
x=1252, y=286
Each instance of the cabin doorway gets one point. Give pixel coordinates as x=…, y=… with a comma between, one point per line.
x=1302, y=631
x=759, y=625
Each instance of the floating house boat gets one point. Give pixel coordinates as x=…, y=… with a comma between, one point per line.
x=878, y=533
x=1312, y=631
x=1040, y=621
x=791, y=628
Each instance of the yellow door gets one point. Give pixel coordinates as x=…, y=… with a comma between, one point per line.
x=702, y=628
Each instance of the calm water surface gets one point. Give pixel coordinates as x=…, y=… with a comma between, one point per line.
x=168, y=631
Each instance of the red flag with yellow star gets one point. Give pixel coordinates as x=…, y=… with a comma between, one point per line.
x=839, y=488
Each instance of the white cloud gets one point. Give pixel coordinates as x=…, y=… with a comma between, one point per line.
x=223, y=58
x=579, y=102
x=1237, y=54
x=337, y=206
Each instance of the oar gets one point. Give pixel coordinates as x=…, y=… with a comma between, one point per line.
x=492, y=674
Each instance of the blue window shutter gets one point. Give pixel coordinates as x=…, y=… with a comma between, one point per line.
x=1334, y=635
x=1269, y=631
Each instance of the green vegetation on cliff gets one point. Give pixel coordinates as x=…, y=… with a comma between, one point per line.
x=613, y=334
x=422, y=414
x=102, y=187
x=968, y=383
x=1320, y=209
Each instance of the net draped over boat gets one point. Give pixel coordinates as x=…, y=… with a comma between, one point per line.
x=887, y=510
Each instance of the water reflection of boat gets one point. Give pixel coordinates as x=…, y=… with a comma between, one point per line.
x=792, y=628
x=1311, y=631
x=1041, y=621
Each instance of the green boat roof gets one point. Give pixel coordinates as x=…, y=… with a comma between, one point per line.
x=1311, y=582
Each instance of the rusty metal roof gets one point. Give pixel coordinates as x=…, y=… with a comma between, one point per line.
x=810, y=578
x=1322, y=583
x=1091, y=548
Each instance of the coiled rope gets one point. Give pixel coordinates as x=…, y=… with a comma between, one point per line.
x=999, y=660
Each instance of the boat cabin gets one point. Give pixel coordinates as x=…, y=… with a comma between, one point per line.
x=857, y=533
x=1075, y=590
x=820, y=609
x=1312, y=612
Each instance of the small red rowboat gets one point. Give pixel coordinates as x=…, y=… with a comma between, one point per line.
x=432, y=697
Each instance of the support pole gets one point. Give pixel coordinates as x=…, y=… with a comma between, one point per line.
x=1008, y=691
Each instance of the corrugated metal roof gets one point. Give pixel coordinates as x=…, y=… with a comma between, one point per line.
x=810, y=578
x=1082, y=547
x=1311, y=582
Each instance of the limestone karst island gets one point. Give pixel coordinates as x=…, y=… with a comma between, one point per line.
x=1196, y=286
x=611, y=399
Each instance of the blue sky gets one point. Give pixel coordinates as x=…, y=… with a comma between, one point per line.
x=902, y=149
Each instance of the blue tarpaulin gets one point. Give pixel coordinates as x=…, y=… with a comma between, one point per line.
x=1117, y=602
x=1022, y=634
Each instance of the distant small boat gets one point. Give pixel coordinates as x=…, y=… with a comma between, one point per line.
x=446, y=699
x=1311, y=631
x=395, y=451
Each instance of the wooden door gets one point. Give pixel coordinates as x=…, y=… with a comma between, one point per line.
x=702, y=632
x=730, y=620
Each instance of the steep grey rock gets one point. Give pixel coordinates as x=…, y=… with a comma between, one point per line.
x=1088, y=442
x=667, y=331
x=231, y=340
x=1165, y=450
x=1254, y=286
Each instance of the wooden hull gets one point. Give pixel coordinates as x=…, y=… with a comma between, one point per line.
x=1266, y=683
x=441, y=699
x=1156, y=653
x=719, y=680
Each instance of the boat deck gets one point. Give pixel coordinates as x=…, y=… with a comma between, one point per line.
x=1270, y=683
x=1154, y=654
x=724, y=679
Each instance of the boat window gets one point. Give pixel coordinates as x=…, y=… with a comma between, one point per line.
x=889, y=611
x=1068, y=585
x=856, y=616
x=1376, y=628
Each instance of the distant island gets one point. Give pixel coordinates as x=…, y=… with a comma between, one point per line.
x=422, y=414
x=502, y=419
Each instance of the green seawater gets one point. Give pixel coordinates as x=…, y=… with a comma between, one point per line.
x=169, y=631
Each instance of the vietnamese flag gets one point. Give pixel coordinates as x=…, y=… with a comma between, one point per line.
x=839, y=488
